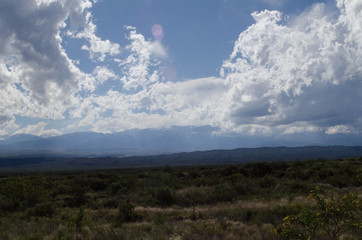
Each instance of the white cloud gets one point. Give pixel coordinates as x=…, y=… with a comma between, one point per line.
x=308, y=70
x=140, y=68
x=37, y=78
x=300, y=127
x=281, y=78
x=7, y=125
x=38, y=130
x=37, y=75
x=158, y=49
x=102, y=74
x=163, y=104
x=338, y=129
x=301, y=76
x=98, y=48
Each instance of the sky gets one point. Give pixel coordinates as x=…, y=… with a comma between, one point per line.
x=244, y=67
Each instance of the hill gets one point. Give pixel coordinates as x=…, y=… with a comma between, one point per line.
x=141, y=142
x=235, y=156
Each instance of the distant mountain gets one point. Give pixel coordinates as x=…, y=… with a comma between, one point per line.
x=137, y=142
x=235, y=156
x=127, y=143
x=19, y=138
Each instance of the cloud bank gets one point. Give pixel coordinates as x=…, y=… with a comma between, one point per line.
x=284, y=76
x=305, y=72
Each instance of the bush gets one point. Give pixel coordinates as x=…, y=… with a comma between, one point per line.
x=115, y=188
x=97, y=184
x=110, y=203
x=78, y=194
x=126, y=212
x=223, y=193
x=329, y=219
x=164, y=196
x=42, y=210
x=19, y=193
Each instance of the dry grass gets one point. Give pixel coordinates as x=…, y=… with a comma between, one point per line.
x=217, y=221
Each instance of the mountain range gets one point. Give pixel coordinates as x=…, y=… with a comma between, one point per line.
x=137, y=142
x=175, y=146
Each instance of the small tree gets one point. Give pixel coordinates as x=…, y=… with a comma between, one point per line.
x=328, y=219
x=192, y=196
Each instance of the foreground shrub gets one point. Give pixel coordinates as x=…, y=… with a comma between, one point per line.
x=329, y=219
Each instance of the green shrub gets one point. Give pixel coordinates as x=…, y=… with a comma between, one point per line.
x=79, y=219
x=116, y=187
x=126, y=212
x=97, y=184
x=329, y=219
x=164, y=196
x=19, y=193
x=223, y=193
x=78, y=196
x=42, y=210
x=110, y=203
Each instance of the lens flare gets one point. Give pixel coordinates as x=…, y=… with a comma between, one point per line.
x=170, y=72
x=157, y=32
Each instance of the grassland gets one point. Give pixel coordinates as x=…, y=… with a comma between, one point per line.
x=244, y=201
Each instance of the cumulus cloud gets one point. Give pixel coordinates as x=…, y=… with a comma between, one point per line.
x=31, y=47
x=291, y=77
x=306, y=70
x=163, y=104
x=140, y=69
x=38, y=129
x=98, y=49
x=102, y=74
x=37, y=78
x=7, y=124
x=283, y=76
x=339, y=129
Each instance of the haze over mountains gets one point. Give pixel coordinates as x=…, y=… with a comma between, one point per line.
x=152, y=142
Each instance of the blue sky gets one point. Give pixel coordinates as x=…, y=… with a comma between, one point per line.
x=259, y=68
x=198, y=34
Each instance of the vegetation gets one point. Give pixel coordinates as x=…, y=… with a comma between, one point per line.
x=327, y=219
x=317, y=199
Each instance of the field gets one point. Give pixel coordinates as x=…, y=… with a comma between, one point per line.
x=260, y=200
